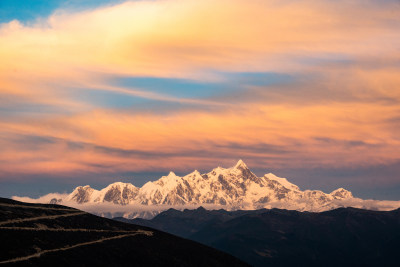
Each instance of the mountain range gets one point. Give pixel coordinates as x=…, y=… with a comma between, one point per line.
x=231, y=188
x=275, y=237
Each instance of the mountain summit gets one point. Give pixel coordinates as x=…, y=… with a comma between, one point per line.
x=240, y=165
x=229, y=188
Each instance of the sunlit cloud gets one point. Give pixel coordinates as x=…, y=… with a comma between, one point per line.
x=278, y=83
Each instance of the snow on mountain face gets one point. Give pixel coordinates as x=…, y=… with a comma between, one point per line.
x=341, y=193
x=116, y=193
x=232, y=188
x=81, y=194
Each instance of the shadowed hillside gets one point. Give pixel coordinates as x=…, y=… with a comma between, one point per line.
x=39, y=235
x=341, y=237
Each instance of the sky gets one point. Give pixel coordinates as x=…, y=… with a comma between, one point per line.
x=93, y=92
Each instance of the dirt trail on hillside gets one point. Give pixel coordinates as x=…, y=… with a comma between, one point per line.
x=38, y=254
x=44, y=228
x=33, y=207
x=43, y=217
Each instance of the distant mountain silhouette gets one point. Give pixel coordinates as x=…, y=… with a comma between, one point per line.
x=340, y=237
x=53, y=235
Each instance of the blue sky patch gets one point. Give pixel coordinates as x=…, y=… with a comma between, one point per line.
x=29, y=10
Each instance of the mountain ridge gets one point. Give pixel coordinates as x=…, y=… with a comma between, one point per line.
x=234, y=187
x=277, y=237
x=231, y=188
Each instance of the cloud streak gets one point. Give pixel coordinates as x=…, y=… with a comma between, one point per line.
x=296, y=84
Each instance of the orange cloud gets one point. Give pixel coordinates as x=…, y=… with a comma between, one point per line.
x=175, y=38
x=342, y=112
x=319, y=135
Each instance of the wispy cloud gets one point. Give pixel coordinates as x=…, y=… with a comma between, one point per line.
x=281, y=83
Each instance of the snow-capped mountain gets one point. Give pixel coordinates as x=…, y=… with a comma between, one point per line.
x=231, y=188
x=116, y=193
x=222, y=188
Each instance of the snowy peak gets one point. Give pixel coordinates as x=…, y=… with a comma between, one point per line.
x=81, y=194
x=118, y=193
x=171, y=174
x=283, y=181
x=234, y=188
x=341, y=193
x=195, y=173
x=240, y=165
